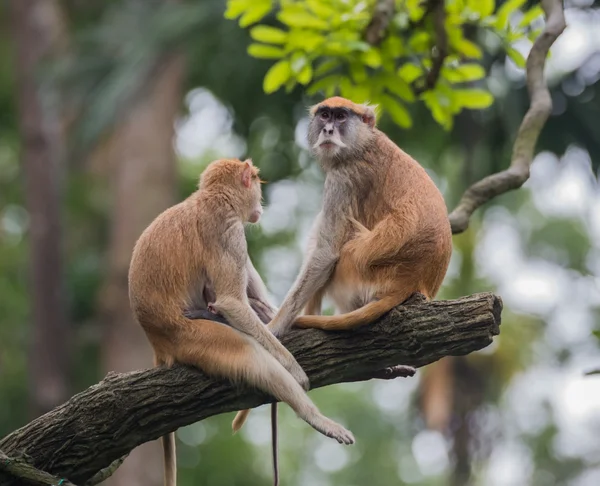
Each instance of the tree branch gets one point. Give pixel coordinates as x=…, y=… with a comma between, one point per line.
x=375, y=31
x=105, y=422
x=21, y=469
x=440, y=50
x=529, y=131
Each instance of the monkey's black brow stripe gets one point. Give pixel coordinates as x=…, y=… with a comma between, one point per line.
x=347, y=111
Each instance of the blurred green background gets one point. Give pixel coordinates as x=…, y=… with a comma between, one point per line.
x=109, y=111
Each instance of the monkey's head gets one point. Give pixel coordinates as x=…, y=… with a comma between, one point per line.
x=239, y=182
x=340, y=130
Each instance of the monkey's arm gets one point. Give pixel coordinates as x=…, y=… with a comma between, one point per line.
x=229, y=277
x=258, y=295
x=316, y=270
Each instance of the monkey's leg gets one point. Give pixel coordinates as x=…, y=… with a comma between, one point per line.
x=241, y=317
x=313, y=307
x=222, y=351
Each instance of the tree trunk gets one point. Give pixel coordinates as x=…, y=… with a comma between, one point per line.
x=143, y=173
x=38, y=34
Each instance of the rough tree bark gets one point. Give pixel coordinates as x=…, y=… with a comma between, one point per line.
x=39, y=34
x=106, y=421
x=143, y=172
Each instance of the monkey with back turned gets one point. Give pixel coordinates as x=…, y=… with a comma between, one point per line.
x=194, y=256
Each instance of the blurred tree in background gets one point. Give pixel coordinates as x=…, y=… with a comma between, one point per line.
x=109, y=110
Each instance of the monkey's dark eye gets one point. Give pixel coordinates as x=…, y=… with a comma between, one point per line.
x=341, y=116
x=324, y=115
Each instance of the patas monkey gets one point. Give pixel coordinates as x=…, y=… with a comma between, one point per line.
x=198, y=247
x=382, y=235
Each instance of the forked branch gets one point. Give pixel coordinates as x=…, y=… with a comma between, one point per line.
x=529, y=131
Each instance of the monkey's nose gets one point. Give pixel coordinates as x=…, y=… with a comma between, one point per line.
x=328, y=131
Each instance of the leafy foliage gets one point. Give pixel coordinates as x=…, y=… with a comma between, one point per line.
x=320, y=44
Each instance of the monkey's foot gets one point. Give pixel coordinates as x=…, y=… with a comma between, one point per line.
x=333, y=430
x=400, y=371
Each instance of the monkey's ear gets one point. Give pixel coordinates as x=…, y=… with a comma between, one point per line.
x=247, y=174
x=368, y=116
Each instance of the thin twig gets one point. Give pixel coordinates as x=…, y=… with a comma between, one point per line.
x=440, y=50
x=21, y=469
x=375, y=31
x=529, y=131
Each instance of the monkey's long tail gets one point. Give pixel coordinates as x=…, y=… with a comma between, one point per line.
x=364, y=315
x=239, y=421
x=274, y=444
x=170, y=459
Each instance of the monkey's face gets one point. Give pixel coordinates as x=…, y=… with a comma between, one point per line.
x=256, y=206
x=252, y=191
x=336, y=133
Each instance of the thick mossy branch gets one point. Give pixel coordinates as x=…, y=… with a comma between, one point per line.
x=106, y=421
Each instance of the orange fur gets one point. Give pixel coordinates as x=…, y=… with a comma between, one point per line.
x=398, y=238
x=199, y=246
x=339, y=102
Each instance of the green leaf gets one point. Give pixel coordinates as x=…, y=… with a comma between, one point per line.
x=464, y=73
x=372, y=58
x=398, y=113
x=237, y=7
x=474, y=99
x=268, y=35
x=439, y=113
x=289, y=86
x=327, y=66
x=482, y=7
x=392, y=46
x=468, y=48
x=320, y=9
x=516, y=57
x=307, y=40
x=597, y=334
x=302, y=20
x=324, y=84
x=358, y=46
x=279, y=73
x=358, y=72
x=505, y=11
x=255, y=13
x=419, y=42
x=399, y=87
x=262, y=51
x=298, y=61
x=305, y=75
x=532, y=35
x=409, y=72
x=335, y=49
